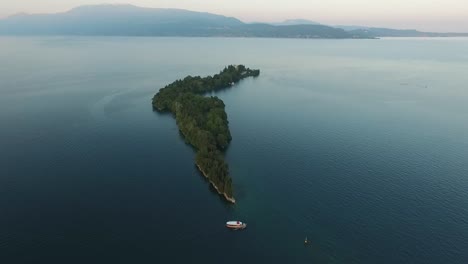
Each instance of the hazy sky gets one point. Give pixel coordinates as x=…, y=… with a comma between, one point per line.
x=430, y=15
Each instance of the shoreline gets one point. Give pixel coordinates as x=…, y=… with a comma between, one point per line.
x=229, y=199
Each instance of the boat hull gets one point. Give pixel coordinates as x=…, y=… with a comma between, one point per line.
x=236, y=225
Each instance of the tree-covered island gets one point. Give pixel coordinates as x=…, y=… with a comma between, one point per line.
x=203, y=120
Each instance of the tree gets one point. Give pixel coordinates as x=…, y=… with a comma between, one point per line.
x=203, y=120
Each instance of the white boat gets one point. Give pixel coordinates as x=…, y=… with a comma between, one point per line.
x=236, y=225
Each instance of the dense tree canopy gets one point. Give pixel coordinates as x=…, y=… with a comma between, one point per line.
x=203, y=120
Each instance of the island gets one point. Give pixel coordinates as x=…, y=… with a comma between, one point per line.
x=203, y=122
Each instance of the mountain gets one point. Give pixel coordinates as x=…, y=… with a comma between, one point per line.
x=117, y=20
x=129, y=20
x=292, y=22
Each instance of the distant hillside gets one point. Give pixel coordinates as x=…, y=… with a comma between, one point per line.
x=388, y=32
x=128, y=20
x=293, y=31
x=117, y=20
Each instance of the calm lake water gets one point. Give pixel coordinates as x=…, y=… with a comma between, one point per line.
x=360, y=145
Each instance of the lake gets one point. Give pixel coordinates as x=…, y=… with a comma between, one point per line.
x=359, y=145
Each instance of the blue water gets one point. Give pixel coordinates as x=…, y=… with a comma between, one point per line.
x=360, y=145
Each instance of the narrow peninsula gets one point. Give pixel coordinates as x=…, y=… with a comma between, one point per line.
x=203, y=120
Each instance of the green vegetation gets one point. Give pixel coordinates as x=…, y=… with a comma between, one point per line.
x=203, y=121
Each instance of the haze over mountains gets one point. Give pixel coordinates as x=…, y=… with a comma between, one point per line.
x=292, y=22
x=129, y=20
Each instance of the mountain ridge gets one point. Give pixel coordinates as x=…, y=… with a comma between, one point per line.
x=131, y=20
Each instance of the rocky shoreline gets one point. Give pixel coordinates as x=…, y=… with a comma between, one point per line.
x=229, y=199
